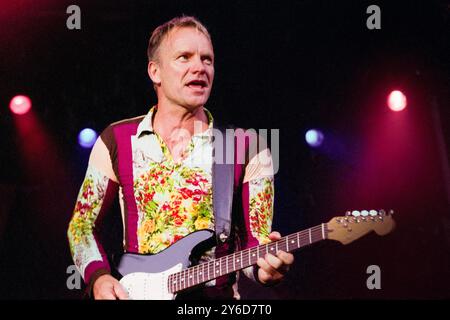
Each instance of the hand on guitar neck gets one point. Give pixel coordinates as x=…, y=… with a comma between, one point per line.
x=273, y=267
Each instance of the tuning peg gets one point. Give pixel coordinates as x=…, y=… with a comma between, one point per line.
x=373, y=213
x=348, y=213
x=391, y=212
x=356, y=213
x=364, y=213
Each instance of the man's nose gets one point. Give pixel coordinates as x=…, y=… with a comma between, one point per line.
x=198, y=65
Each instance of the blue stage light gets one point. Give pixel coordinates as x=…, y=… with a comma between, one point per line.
x=314, y=137
x=87, y=137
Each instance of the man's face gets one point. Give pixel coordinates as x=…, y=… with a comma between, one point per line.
x=185, y=69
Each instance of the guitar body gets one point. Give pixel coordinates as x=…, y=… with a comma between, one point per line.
x=145, y=276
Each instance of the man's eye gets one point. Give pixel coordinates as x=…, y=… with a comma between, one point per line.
x=183, y=57
x=207, y=60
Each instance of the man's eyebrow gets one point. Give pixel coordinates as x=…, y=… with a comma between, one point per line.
x=180, y=52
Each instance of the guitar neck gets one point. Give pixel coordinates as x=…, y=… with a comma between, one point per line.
x=242, y=259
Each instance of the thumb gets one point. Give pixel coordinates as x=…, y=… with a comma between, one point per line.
x=274, y=235
x=120, y=291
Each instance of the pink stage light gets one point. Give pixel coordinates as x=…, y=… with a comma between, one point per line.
x=20, y=104
x=397, y=101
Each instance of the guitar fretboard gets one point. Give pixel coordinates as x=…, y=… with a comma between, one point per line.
x=242, y=259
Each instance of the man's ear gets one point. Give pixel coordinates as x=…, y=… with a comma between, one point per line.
x=153, y=72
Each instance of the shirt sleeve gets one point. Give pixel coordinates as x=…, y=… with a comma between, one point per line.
x=258, y=200
x=96, y=194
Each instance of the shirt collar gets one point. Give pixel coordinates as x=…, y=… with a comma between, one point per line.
x=146, y=125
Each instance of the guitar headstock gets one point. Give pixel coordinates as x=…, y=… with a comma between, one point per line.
x=356, y=224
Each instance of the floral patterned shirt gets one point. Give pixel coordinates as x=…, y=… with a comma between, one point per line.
x=161, y=200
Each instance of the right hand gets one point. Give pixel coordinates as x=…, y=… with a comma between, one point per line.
x=107, y=287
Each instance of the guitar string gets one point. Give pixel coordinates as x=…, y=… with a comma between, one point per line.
x=192, y=272
x=245, y=255
x=302, y=235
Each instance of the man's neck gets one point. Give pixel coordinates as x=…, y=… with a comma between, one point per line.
x=176, y=125
x=171, y=118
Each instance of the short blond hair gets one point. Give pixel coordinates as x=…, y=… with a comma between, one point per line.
x=163, y=30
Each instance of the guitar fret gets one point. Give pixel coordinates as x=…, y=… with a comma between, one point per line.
x=215, y=268
x=218, y=272
x=181, y=280
x=198, y=277
x=234, y=261
x=203, y=273
x=189, y=276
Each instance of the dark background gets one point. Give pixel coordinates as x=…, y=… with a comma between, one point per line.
x=290, y=65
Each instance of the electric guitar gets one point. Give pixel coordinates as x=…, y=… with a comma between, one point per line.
x=160, y=276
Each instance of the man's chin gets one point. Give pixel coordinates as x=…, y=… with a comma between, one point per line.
x=192, y=105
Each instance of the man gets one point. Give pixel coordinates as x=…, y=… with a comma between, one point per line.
x=156, y=163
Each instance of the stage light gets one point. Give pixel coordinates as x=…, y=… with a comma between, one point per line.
x=20, y=105
x=397, y=101
x=87, y=137
x=314, y=137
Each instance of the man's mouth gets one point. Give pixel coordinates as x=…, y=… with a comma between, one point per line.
x=197, y=84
